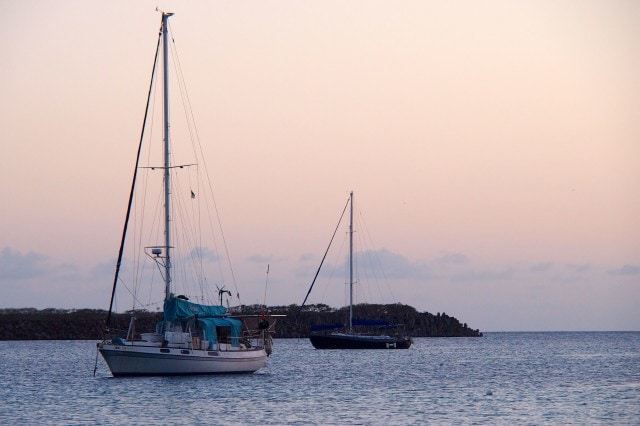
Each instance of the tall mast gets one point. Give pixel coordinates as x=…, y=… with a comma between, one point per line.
x=351, y=264
x=167, y=161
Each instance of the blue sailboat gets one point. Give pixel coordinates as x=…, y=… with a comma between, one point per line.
x=345, y=336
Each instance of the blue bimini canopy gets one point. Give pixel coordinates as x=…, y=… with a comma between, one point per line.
x=176, y=309
x=209, y=326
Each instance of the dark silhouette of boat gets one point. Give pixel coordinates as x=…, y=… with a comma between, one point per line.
x=378, y=332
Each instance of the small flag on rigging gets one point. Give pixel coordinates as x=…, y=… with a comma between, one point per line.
x=193, y=195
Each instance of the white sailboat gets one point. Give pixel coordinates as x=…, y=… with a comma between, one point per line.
x=192, y=338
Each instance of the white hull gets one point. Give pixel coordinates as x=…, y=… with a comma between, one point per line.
x=192, y=338
x=138, y=360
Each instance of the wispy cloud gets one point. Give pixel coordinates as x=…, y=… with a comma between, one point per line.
x=395, y=265
x=455, y=267
x=483, y=274
x=584, y=267
x=259, y=258
x=625, y=270
x=542, y=267
x=453, y=259
x=206, y=253
x=458, y=267
x=307, y=257
x=17, y=266
x=35, y=280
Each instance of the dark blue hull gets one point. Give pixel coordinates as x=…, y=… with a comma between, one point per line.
x=358, y=341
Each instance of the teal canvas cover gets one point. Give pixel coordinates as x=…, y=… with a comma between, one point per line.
x=208, y=317
x=209, y=326
x=177, y=309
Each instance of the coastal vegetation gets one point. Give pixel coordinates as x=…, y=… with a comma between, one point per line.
x=88, y=324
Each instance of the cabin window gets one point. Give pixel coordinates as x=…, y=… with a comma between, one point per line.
x=165, y=351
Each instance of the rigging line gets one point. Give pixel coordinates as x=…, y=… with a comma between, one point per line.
x=133, y=183
x=130, y=292
x=139, y=267
x=367, y=276
x=184, y=95
x=361, y=277
x=140, y=260
x=193, y=239
x=154, y=230
x=340, y=254
x=191, y=122
x=376, y=257
x=324, y=257
x=188, y=237
x=138, y=254
x=198, y=257
x=199, y=211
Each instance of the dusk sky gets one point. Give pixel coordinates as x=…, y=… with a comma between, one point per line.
x=493, y=147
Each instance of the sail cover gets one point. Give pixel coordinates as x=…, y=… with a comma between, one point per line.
x=175, y=309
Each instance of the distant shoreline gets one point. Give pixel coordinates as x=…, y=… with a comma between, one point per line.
x=88, y=324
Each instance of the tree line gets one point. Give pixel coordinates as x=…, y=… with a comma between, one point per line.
x=89, y=324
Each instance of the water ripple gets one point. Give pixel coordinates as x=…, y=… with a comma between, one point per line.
x=503, y=378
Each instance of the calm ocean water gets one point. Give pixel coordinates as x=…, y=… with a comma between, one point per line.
x=502, y=378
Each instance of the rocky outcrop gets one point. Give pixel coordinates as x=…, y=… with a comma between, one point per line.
x=89, y=324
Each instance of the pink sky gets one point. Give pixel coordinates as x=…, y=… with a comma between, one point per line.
x=494, y=148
